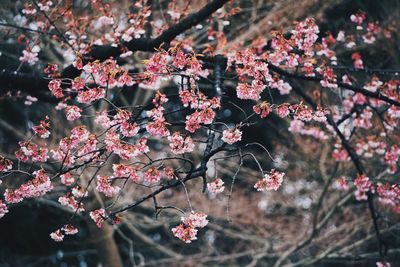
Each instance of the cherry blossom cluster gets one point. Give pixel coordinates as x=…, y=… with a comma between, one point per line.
x=122, y=170
x=80, y=146
x=216, y=186
x=342, y=184
x=99, y=217
x=370, y=147
x=340, y=154
x=29, y=150
x=168, y=62
x=34, y=188
x=392, y=157
x=248, y=65
x=104, y=186
x=158, y=124
x=363, y=185
x=42, y=130
x=104, y=75
x=180, y=144
x=389, y=195
x=187, y=230
x=369, y=30
x=298, y=126
x=204, y=108
x=231, y=135
x=127, y=132
x=30, y=55
x=271, y=181
x=73, y=200
x=152, y=175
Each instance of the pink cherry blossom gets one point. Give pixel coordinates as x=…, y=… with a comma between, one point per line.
x=342, y=183
x=271, y=181
x=262, y=109
x=363, y=185
x=152, y=175
x=70, y=201
x=104, y=186
x=383, y=264
x=185, y=233
x=55, y=88
x=69, y=229
x=195, y=220
x=231, y=135
x=3, y=209
x=98, y=216
x=358, y=63
x=73, y=113
x=42, y=130
x=29, y=57
x=57, y=236
x=67, y=179
x=282, y=110
x=169, y=172
x=180, y=144
x=121, y=170
x=215, y=187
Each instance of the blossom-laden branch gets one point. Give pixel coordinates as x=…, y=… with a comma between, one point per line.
x=11, y=80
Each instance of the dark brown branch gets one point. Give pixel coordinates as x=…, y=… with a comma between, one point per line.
x=353, y=88
x=188, y=22
x=24, y=28
x=29, y=83
x=200, y=171
x=357, y=163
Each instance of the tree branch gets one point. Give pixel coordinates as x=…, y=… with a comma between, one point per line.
x=37, y=86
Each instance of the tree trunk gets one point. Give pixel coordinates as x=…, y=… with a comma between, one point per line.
x=106, y=247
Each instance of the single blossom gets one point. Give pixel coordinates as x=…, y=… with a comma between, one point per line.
x=57, y=236
x=69, y=229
